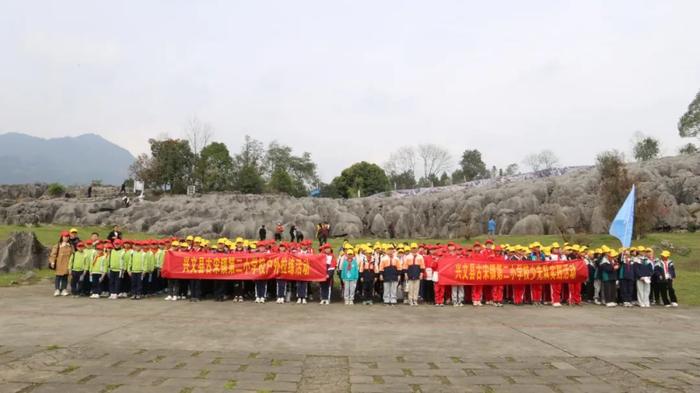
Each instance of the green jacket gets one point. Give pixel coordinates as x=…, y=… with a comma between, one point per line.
x=160, y=257
x=99, y=265
x=116, y=260
x=150, y=261
x=137, y=262
x=79, y=262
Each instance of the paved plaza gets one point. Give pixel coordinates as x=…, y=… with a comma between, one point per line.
x=85, y=345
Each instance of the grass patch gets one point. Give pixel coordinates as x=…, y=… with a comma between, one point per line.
x=69, y=369
x=18, y=278
x=377, y=379
x=270, y=376
x=230, y=384
x=53, y=347
x=203, y=374
x=276, y=362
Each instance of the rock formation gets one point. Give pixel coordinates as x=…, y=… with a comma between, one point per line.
x=534, y=204
x=22, y=251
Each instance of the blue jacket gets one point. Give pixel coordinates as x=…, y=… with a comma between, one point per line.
x=349, y=270
x=626, y=270
x=643, y=268
x=660, y=274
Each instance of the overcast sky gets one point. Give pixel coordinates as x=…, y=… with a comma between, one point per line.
x=353, y=80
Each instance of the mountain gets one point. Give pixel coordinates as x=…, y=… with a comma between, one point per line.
x=68, y=160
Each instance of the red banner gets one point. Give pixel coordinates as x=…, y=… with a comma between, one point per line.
x=468, y=271
x=243, y=266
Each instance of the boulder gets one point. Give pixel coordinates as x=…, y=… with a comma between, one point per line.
x=530, y=225
x=22, y=251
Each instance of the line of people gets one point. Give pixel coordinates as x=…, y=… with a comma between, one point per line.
x=390, y=273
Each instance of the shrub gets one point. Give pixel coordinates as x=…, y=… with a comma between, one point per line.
x=56, y=190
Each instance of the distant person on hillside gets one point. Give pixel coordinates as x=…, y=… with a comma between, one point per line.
x=293, y=233
x=279, y=230
x=324, y=232
x=114, y=234
x=300, y=236
x=123, y=189
x=89, y=192
x=492, y=226
x=262, y=233
x=125, y=201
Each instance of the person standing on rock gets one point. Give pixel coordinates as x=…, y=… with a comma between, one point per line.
x=492, y=226
x=262, y=233
x=279, y=230
x=59, y=261
x=293, y=233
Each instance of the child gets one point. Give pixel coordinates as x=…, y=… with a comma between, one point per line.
x=327, y=286
x=98, y=269
x=414, y=266
x=79, y=270
x=608, y=267
x=59, y=260
x=626, y=279
x=349, y=273
x=367, y=278
x=281, y=283
x=173, y=284
x=643, y=271
x=389, y=275
x=665, y=273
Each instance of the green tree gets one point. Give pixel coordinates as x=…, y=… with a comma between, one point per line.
x=280, y=181
x=614, y=183
x=248, y=167
x=646, y=149
x=215, y=168
x=688, y=149
x=472, y=165
x=689, y=123
x=458, y=176
x=403, y=181
x=361, y=178
x=301, y=170
x=169, y=167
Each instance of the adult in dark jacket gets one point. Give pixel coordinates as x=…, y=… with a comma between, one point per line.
x=262, y=232
x=114, y=234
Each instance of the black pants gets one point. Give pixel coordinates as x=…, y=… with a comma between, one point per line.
x=173, y=287
x=219, y=289
x=136, y=284
x=427, y=291
x=627, y=291
x=665, y=289
x=367, y=289
x=95, y=284
x=195, y=289
x=278, y=237
x=61, y=282
x=609, y=292
x=77, y=286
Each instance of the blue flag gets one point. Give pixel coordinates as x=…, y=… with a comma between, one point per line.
x=623, y=223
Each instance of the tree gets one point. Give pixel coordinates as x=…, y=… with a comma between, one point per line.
x=646, y=149
x=280, y=181
x=215, y=168
x=401, y=161
x=361, y=179
x=445, y=180
x=457, y=176
x=512, y=170
x=688, y=149
x=301, y=170
x=689, y=123
x=614, y=183
x=434, y=158
x=544, y=160
x=169, y=167
x=198, y=134
x=403, y=181
x=472, y=165
x=247, y=167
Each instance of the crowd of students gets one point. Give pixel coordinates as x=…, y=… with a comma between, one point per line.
x=387, y=272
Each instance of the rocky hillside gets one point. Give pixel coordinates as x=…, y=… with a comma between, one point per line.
x=534, y=205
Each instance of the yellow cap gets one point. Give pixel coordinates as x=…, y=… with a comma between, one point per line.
x=189, y=237
x=555, y=245
x=239, y=240
x=73, y=230
x=665, y=253
x=350, y=251
x=175, y=243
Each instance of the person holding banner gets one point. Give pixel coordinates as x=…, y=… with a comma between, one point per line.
x=555, y=288
x=173, y=283
x=327, y=285
x=281, y=284
x=536, y=255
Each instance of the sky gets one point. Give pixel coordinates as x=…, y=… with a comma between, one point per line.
x=355, y=80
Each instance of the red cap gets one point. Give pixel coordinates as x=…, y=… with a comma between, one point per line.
x=324, y=246
x=477, y=244
x=65, y=233
x=88, y=242
x=118, y=242
x=80, y=245
x=489, y=241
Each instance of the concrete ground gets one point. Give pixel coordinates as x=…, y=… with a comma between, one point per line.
x=84, y=345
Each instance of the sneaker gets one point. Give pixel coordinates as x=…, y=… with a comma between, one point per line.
x=556, y=304
x=597, y=302
x=64, y=293
x=303, y=301
x=168, y=298
x=94, y=296
x=57, y=293
x=351, y=302
x=674, y=304
x=668, y=306
x=299, y=301
x=122, y=295
x=611, y=304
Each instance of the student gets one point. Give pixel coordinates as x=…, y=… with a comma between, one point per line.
x=389, y=271
x=136, y=267
x=625, y=276
x=414, y=266
x=99, y=269
x=367, y=275
x=665, y=273
x=327, y=285
x=536, y=255
x=59, y=261
x=555, y=255
x=115, y=262
x=643, y=271
x=609, y=267
x=79, y=266
x=173, y=284
x=281, y=284
x=349, y=273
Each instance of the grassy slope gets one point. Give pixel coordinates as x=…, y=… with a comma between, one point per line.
x=688, y=266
